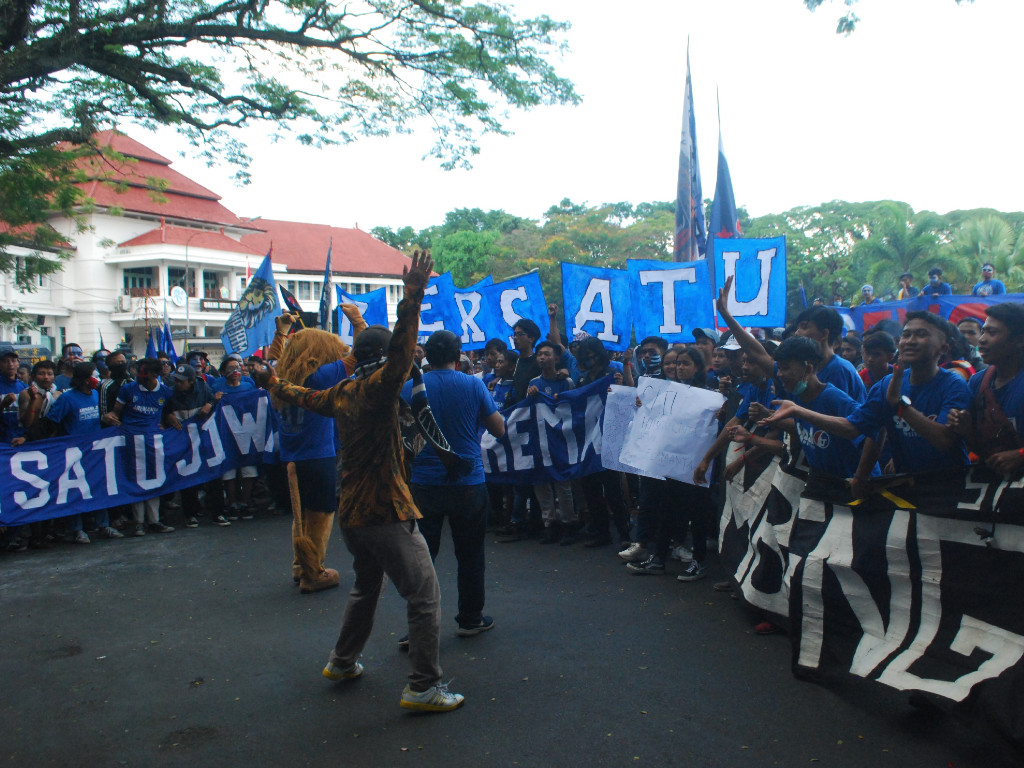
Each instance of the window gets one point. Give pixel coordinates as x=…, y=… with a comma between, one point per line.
x=23, y=335
x=290, y=285
x=176, y=276
x=138, y=278
x=211, y=285
x=304, y=293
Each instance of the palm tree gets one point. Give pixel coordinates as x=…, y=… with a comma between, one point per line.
x=988, y=239
x=900, y=241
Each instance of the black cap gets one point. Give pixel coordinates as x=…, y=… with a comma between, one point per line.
x=184, y=373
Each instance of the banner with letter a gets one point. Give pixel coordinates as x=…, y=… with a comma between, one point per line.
x=597, y=300
x=670, y=299
x=758, y=297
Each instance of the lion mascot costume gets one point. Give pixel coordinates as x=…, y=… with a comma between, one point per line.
x=319, y=360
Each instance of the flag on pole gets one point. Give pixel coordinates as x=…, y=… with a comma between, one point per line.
x=251, y=323
x=325, y=293
x=691, y=236
x=290, y=302
x=725, y=221
x=151, y=348
x=167, y=343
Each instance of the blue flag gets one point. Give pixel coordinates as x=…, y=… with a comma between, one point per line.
x=151, y=346
x=167, y=343
x=251, y=323
x=670, y=299
x=373, y=306
x=691, y=235
x=325, y=292
x=758, y=295
x=725, y=222
x=472, y=315
x=597, y=300
x=437, y=312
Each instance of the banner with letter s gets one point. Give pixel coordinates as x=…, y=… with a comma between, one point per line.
x=82, y=473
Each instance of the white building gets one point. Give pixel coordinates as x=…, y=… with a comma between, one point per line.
x=144, y=242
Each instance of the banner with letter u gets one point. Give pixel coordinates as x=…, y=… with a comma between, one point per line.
x=82, y=473
x=758, y=297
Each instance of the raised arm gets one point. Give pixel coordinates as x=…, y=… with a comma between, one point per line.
x=358, y=326
x=553, y=333
x=756, y=352
x=835, y=425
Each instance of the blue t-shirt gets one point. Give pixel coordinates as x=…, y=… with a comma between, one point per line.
x=76, y=413
x=502, y=391
x=841, y=374
x=552, y=387
x=62, y=383
x=751, y=393
x=910, y=451
x=308, y=435
x=10, y=428
x=1010, y=397
x=826, y=452
x=142, y=407
x=460, y=404
x=988, y=288
x=942, y=289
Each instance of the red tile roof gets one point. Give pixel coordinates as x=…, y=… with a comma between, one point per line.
x=215, y=241
x=23, y=235
x=182, y=198
x=303, y=248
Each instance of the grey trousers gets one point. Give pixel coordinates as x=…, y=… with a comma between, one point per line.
x=400, y=551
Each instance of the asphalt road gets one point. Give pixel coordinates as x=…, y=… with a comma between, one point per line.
x=195, y=649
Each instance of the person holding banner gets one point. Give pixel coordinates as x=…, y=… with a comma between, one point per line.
x=34, y=402
x=376, y=511
x=10, y=389
x=912, y=403
x=994, y=424
x=140, y=407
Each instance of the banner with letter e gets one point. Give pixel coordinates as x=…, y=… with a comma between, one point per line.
x=758, y=297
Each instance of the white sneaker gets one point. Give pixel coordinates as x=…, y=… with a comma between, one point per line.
x=634, y=553
x=435, y=699
x=682, y=554
x=111, y=533
x=334, y=673
x=81, y=537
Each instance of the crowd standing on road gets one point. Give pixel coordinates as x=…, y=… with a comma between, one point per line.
x=925, y=396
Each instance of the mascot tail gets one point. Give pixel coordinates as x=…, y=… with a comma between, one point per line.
x=309, y=558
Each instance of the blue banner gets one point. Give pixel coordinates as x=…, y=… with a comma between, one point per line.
x=548, y=440
x=510, y=300
x=373, y=306
x=437, y=312
x=473, y=315
x=670, y=299
x=597, y=300
x=758, y=296
x=82, y=473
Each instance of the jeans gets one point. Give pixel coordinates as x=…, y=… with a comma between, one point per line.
x=466, y=509
x=398, y=550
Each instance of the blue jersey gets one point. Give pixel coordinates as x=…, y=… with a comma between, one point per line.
x=569, y=363
x=841, y=374
x=552, y=387
x=245, y=384
x=988, y=288
x=460, y=404
x=308, y=435
x=1010, y=397
x=825, y=452
x=142, y=408
x=77, y=413
x=752, y=393
x=501, y=393
x=910, y=451
x=10, y=427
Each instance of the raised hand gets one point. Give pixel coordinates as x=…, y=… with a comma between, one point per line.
x=417, y=274
x=284, y=322
x=721, y=303
x=892, y=394
x=552, y=310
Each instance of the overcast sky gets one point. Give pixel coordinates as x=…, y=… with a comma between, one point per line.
x=921, y=104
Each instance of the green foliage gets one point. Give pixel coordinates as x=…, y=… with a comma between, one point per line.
x=317, y=73
x=847, y=23
x=832, y=248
